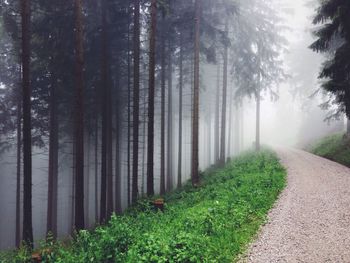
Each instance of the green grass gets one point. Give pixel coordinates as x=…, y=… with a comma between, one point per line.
x=212, y=223
x=335, y=147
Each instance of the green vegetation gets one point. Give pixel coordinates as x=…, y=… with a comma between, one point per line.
x=212, y=223
x=335, y=147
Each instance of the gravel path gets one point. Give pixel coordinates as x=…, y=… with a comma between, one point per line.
x=311, y=220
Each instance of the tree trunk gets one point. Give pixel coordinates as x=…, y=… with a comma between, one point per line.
x=179, y=164
x=79, y=118
x=129, y=120
x=170, y=123
x=224, y=102
x=257, y=136
x=229, y=139
x=105, y=108
x=18, y=179
x=348, y=126
x=150, y=136
x=27, y=125
x=135, y=166
x=118, y=128
x=217, y=117
x=195, y=116
x=96, y=167
x=53, y=163
x=162, y=129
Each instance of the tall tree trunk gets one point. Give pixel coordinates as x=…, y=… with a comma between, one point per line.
x=118, y=182
x=257, y=136
x=96, y=166
x=105, y=109
x=348, y=126
x=150, y=136
x=217, y=117
x=229, y=139
x=87, y=181
x=18, y=179
x=27, y=125
x=170, y=122
x=224, y=102
x=241, y=139
x=195, y=116
x=136, y=112
x=179, y=164
x=129, y=118
x=79, y=118
x=53, y=163
x=162, y=129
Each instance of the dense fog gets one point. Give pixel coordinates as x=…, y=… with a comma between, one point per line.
x=290, y=107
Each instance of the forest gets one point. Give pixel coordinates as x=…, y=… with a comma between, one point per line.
x=136, y=130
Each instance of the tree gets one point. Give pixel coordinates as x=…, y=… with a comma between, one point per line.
x=27, y=126
x=136, y=97
x=333, y=38
x=150, y=136
x=79, y=118
x=195, y=115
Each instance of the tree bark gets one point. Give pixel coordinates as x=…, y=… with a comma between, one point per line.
x=136, y=112
x=96, y=167
x=18, y=179
x=150, y=136
x=27, y=125
x=170, y=122
x=105, y=109
x=79, y=118
x=179, y=164
x=195, y=116
x=162, y=129
x=53, y=163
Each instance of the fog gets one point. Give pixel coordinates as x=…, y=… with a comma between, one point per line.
x=292, y=118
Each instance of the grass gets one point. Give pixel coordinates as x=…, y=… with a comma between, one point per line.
x=334, y=147
x=211, y=223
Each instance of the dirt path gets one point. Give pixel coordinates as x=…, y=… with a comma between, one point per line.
x=311, y=221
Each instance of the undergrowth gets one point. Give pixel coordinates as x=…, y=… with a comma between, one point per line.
x=334, y=147
x=211, y=223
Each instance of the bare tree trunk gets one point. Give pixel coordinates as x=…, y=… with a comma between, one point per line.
x=257, y=136
x=27, y=125
x=79, y=118
x=217, y=117
x=18, y=179
x=136, y=112
x=170, y=123
x=224, y=102
x=348, y=126
x=150, y=136
x=96, y=168
x=179, y=164
x=129, y=121
x=104, y=82
x=162, y=129
x=229, y=139
x=53, y=163
x=118, y=182
x=195, y=116
x=87, y=199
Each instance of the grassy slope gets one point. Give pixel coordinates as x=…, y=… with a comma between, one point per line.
x=213, y=223
x=335, y=147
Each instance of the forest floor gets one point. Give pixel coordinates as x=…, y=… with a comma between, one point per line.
x=211, y=223
x=310, y=222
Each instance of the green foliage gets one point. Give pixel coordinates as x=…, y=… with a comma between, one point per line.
x=212, y=223
x=335, y=147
